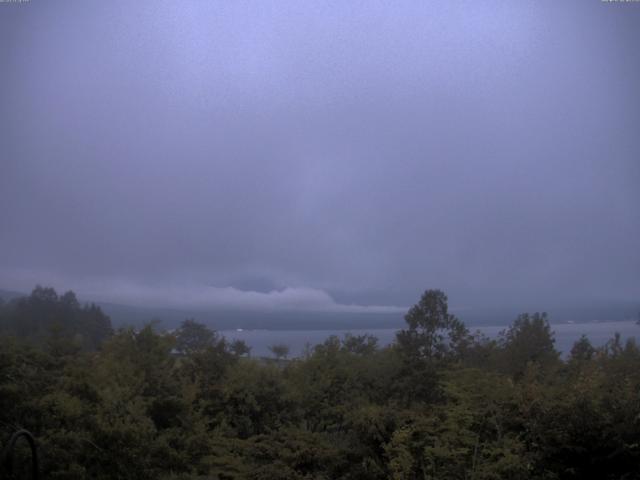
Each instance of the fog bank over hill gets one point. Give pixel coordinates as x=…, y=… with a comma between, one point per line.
x=246, y=318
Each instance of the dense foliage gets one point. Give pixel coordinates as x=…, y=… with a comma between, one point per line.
x=44, y=317
x=441, y=403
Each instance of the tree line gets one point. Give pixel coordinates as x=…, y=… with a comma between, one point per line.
x=441, y=402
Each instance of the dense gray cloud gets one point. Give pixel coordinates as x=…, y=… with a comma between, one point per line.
x=323, y=155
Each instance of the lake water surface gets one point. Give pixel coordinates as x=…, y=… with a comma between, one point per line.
x=565, y=334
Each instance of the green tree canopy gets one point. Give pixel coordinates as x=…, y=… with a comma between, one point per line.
x=280, y=350
x=193, y=337
x=433, y=333
x=528, y=339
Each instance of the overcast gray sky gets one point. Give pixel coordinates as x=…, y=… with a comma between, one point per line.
x=321, y=155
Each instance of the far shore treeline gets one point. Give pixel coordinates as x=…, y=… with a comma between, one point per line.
x=439, y=403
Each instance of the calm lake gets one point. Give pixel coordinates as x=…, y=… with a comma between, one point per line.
x=565, y=334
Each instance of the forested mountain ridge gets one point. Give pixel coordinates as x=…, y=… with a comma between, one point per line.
x=440, y=403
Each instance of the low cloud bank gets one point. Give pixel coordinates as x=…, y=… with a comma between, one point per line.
x=207, y=297
x=199, y=297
